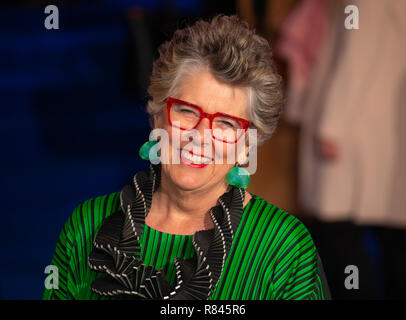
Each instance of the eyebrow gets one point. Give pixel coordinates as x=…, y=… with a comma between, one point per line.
x=198, y=106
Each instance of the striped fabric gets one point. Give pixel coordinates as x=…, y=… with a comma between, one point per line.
x=159, y=248
x=272, y=255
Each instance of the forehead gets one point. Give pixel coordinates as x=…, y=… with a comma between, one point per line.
x=202, y=89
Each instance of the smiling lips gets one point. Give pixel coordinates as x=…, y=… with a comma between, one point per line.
x=194, y=160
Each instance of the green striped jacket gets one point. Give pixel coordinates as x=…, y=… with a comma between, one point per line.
x=272, y=255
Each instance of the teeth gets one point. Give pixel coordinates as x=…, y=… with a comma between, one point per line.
x=193, y=158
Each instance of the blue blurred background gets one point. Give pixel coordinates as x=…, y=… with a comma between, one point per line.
x=72, y=116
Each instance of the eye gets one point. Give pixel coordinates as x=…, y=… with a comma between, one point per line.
x=227, y=124
x=185, y=110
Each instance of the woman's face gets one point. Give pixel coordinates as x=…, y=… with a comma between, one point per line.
x=203, y=90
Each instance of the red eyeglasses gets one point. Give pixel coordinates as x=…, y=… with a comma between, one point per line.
x=224, y=127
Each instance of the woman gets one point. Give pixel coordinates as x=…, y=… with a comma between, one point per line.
x=188, y=229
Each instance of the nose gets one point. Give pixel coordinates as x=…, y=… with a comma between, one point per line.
x=203, y=124
x=204, y=134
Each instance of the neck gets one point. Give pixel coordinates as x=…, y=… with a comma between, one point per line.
x=174, y=210
x=188, y=203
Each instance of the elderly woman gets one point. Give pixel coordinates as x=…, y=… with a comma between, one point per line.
x=188, y=229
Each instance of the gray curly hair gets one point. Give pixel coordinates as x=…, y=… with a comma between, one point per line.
x=234, y=54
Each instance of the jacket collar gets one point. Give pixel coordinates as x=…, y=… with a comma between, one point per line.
x=117, y=246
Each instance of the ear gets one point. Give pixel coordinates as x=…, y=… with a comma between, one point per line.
x=242, y=156
x=157, y=117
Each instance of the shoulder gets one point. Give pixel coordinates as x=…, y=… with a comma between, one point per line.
x=74, y=244
x=276, y=227
x=286, y=249
x=89, y=215
x=275, y=218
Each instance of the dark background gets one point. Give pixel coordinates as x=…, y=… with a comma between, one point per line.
x=72, y=115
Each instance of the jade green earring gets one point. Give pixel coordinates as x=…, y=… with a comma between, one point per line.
x=238, y=177
x=145, y=151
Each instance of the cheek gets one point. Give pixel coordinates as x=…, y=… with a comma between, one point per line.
x=225, y=153
x=221, y=170
x=169, y=148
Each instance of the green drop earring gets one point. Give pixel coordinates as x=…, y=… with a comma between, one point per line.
x=238, y=177
x=145, y=151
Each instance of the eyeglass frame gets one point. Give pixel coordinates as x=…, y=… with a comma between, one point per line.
x=170, y=100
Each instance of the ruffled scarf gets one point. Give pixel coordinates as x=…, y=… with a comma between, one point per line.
x=116, y=247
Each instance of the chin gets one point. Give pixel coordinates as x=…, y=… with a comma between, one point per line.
x=188, y=184
x=189, y=178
